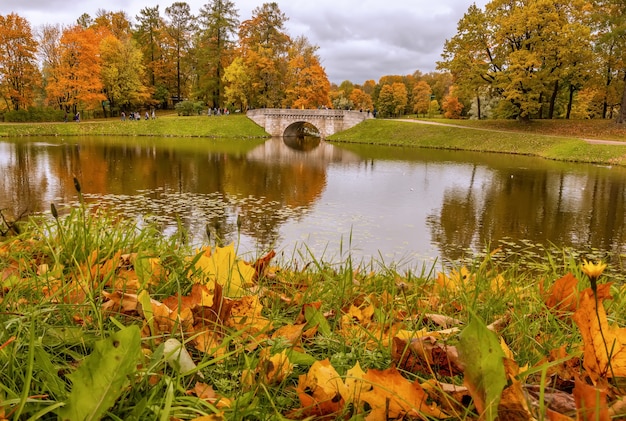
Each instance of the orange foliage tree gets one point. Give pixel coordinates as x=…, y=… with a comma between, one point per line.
x=451, y=106
x=308, y=85
x=76, y=79
x=361, y=100
x=18, y=70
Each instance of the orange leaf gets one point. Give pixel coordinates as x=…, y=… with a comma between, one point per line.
x=590, y=402
x=321, y=390
x=604, y=345
x=392, y=396
x=563, y=296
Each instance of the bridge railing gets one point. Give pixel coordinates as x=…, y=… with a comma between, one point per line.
x=274, y=112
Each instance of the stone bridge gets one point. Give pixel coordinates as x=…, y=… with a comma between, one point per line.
x=286, y=122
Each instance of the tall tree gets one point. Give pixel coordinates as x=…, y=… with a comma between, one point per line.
x=180, y=27
x=117, y=23
x=76, y=81
x=237, y=84
x=49, y=37
x=122, y=73
x=421, y=97
x=19, y=75
x=307, y=83
x=519, y=50
x=151, y=39
x=264, y=47
x=361, y=100
x=611, y=35
x=218, y=22
x=470, y=57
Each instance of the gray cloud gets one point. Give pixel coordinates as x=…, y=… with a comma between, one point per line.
x=358, y=39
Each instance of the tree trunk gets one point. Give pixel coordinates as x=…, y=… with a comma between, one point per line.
x=570, y=101
x=478, y=106
x=553, y=99
x=621, y=117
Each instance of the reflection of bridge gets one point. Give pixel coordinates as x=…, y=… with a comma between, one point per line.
x=277, y=150
x=285, y=122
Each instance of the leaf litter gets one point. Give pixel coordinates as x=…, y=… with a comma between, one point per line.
x=443, y=361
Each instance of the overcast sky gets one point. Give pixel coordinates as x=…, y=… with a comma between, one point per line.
x=358, y=40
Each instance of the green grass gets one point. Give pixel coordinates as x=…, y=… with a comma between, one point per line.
x=485, y=136
x=231, y=126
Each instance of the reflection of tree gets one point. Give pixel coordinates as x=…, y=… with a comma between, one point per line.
x=535, y=204
x=455, y=228
x=166, y=169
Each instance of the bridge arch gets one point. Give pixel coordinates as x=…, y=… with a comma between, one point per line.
x=277, y=121
x=300, y=128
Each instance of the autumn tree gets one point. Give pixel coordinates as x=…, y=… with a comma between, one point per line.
x=49, y=54
x=218, y=23
x=307, y=83
x=400, y=97
x=264, y=47
x=469, y=55
x=392, y=99
x=237, y=84
x=116, y=23
x=451, y=106
x=369, y=86
x=122, y=73
x=76, y=79
x=180, y=27
x=361, y=100
x=19, y=75
x=340, y=96
x=151, y=38
x=421, y=97
x=520, y=51
x=610, y=25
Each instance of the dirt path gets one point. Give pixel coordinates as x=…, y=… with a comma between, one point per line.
x=435, y=123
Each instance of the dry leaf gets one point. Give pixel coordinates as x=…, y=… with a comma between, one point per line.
x=590, y=402
x=604, y=344
x=563, y=296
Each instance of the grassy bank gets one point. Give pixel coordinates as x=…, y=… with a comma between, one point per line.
x=231, y=126
x=95, y=312
x=552, y=139
x=534, y=139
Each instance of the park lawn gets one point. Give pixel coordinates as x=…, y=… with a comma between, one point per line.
x=484, y=136
x=231, y=126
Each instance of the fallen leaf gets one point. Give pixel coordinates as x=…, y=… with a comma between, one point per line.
x=391, y=396
x=102, y=376
x=321, y=390
x=591, y=402
x=427, y=356
x=222, y=266
x=485, y=376
x=604, y=344
x=563, y=296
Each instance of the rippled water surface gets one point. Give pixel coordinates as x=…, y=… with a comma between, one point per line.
x=382, y=203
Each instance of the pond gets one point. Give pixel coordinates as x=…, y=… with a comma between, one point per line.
x=386, y=204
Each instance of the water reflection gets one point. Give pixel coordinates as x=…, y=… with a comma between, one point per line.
x=390, y=203
x=302, y=143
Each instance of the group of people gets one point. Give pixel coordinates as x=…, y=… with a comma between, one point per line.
x=136, y=116
x=218, y=111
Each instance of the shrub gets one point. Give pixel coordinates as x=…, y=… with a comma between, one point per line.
x=189, y=108
x=33, y=114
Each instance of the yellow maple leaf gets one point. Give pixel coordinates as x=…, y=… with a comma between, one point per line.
x=604, y=344
x=321, y=390
x=391, y=396
x=222, y=266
